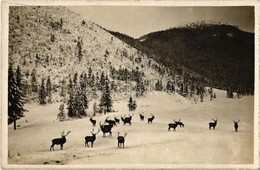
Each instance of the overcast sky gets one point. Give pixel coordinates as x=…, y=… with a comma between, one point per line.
x=136, y=21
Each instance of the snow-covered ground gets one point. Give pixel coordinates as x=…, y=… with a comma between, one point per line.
x=145, y=143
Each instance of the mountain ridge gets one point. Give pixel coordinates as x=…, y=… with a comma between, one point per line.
x=198, y=45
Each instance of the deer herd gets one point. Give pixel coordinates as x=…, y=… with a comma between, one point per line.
x=108, y=124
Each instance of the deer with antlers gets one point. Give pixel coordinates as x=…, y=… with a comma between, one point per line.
x=106, y=129
x=179, y=123
x=150, y=119
x=121, y=140
x=117, y=120
x=110, y=122
x=141, y=116
x=213, y=124
x=93, y=121
x=92, y=138
x=236, y=125
x=59, y=141
x=127, y=119
x=172, y=125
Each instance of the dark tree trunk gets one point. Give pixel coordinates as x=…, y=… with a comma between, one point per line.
x=14, y=124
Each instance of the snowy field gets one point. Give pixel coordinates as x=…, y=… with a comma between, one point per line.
x=145, y=143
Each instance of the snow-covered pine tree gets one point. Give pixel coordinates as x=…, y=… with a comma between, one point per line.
x=70, y=86
x=63, y=87
x=49, y=89
x=94, y=108
x=102, y=81
x=130, y=104
x=106, y=99
x=82, y=82
x=70, y=106
x=61, y=114
x=81, y=102
x=92, y=82
x=18, y=77
x=75, y=79
x=15, y=99
x=79, y=50
x=140, y=89
x=34, y=82
x=21, y=84
x=89, y=72
x=134, y=105
x=61, y=23
x=42, y=93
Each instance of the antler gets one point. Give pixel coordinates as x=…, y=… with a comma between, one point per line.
x=68, y=133
x=97, y=131
x=235, y=121
x=101, y=124
x=125, y=134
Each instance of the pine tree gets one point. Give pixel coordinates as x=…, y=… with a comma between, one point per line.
x=61, y=23
x=34, y=83
x=102, y=81
x=15, y=99
x=61, y=115
x=71, y=108
x=20, y=82
x=42, y=93
x=89, y=72
x=63, y=87
x=92, y=80
x=70, y=86
x=82, y=82
x=48, y=87
x=106, y=99
x=18, y=77
x=134, y=105
x=81, y=102
x=94, y=108
x=130, y=104
x=140, y=88
x=79, y=50
x=75, y=79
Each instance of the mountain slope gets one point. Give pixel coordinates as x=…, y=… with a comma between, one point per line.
x=220, y=52
x=59, y=43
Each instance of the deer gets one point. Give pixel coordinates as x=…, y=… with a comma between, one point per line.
x=91, y=138
x=179, y=123
x=213, y=124
x=127, y=119
x=106, y=129
x=93, y=121
x=121, y=140
x=117, y=120
x=236, y=125
x=110, y=122
x=59, y=141
x=150, y=120
x=172, y=125
x=141, y=116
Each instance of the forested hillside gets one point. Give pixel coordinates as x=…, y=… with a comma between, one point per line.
x=222, y=53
